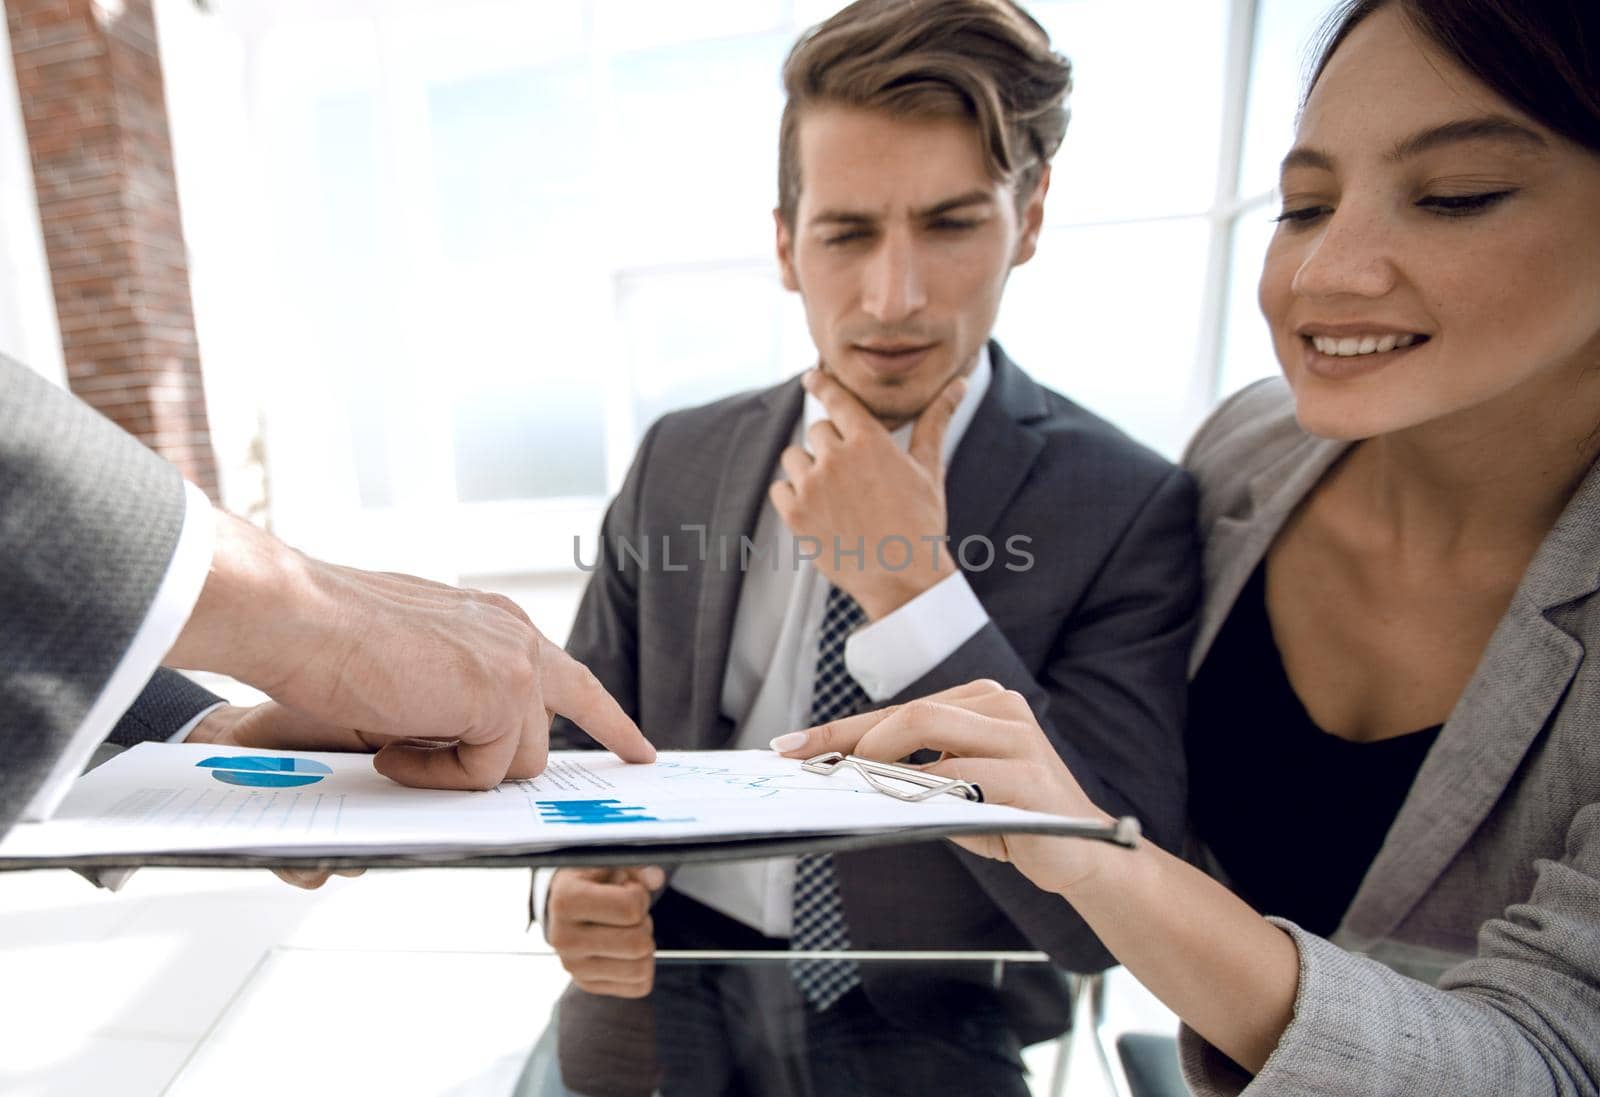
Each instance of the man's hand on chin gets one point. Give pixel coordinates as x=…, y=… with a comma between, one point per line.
x=876, y=513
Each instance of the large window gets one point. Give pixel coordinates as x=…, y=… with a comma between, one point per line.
x=495, y=239
x=28, y=331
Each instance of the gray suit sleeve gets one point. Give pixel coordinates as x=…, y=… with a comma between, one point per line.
x=167, y=703
x=1523, y=1016
x=89, y=520
x=1112, y=700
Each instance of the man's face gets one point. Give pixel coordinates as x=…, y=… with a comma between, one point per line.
x=900, y=249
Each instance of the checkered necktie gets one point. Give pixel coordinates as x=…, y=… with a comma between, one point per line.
x=818, y=913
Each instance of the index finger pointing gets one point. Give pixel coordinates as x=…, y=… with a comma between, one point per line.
x=572, y=690
x=927, y=437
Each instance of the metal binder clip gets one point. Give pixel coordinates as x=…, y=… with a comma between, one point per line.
x=878, y=774
x=1122, y=832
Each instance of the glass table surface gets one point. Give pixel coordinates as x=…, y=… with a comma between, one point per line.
x=311, y=1022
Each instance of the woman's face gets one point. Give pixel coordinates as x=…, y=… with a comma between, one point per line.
x=1438, y=251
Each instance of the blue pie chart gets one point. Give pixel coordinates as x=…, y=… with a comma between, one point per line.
x=259, y=771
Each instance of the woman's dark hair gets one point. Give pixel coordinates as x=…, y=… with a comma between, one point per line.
x=1541, y=56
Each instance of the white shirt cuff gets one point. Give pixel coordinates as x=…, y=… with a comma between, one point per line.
x=541, y=899
x=182, y=734
x=169, y=611
x=894, y=651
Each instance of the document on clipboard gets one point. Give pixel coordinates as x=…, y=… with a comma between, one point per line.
x=184, y=803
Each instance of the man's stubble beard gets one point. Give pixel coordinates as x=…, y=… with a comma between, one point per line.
x=894, y=418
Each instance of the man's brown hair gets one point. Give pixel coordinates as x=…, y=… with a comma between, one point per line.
x=986, y=60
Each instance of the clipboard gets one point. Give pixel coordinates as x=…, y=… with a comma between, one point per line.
x=203, y=805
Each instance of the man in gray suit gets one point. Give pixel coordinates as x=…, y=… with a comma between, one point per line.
x=112, y=566
x=914, y=513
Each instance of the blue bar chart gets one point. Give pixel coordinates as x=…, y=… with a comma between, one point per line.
x=596, y=812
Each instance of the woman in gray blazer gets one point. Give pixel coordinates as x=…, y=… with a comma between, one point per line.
x=1395, y=700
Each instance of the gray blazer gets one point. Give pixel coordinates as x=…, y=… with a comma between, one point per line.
x=1469, y=960
x=89, y=519
x=1094, y=634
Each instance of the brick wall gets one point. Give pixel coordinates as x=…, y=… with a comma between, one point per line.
x=89, y=82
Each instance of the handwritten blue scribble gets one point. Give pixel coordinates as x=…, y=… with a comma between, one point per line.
x=765, y=785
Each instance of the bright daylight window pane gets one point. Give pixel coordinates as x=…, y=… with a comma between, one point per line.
x=571, y=234
x=346, y=304
x=1284, y=33
x=511, y=157
x=636, y=24
x=1109, y=316
x=695, y=337
x=808, y=13
x=1247, y=353
x=1146, y=106
x=693, y=148
x=529, y=435
x=514, y=179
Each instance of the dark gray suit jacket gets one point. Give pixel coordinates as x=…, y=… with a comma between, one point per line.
x=1094, y=635
x=1469, y=960
x=89, y=519
x=167, y=702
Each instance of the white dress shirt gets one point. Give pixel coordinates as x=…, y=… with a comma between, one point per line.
x=772, y=658
x=169, y=611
